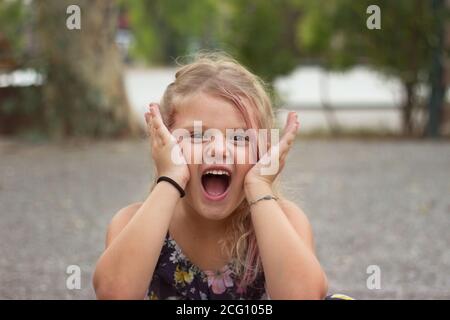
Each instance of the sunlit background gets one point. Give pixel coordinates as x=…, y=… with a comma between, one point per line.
x=371, y=166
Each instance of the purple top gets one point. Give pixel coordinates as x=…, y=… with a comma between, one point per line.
x=175, y=277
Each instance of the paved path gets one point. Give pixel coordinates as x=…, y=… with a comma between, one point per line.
x=383, y=203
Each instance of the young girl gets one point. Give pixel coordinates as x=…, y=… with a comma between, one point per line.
x=212, y=230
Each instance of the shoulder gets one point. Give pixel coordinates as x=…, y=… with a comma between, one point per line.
x=120, y=220
x=125, y=214
x=299, y=220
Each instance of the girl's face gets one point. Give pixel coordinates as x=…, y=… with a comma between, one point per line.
x=215, y=188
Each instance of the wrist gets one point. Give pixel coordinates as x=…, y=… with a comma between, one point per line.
x=179, y=179
x=168, y=189
x=256, y=183
x=173, y=183
x=256, y=189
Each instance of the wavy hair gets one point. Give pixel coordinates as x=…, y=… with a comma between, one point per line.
x=219, y=74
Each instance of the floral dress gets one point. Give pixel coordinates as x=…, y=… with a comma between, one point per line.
x=175, y=277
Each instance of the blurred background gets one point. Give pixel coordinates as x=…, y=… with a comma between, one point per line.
x=371, y=167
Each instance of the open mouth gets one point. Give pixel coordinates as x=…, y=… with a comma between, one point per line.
x=215, y=183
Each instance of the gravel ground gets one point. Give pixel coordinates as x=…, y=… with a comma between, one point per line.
x=383, y=203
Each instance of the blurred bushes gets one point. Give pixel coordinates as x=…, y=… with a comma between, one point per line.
x=82, y=94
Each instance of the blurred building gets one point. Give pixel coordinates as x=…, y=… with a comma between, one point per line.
x=359, y=99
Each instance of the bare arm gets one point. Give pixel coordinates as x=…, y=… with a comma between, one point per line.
x=284, y=236
x=286, y=246
x=134, y=241
x=136, y=234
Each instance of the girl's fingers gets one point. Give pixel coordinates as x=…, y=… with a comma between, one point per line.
x=290, y=131
x=160, y=129
x=148, y=120
x=291, y=123
x=153, y=124
x=278, y=152
x=289, y=134
x=150, y=130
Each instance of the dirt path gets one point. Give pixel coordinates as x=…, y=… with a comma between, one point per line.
x=370, y=203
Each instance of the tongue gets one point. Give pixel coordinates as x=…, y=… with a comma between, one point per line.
x=214, y=185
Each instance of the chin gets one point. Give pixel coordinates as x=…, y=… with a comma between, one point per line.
x=213, y=210
x=215, y=214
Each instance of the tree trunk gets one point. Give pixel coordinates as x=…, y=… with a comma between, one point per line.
x=437, y=81
x=328, y=111
x=408, y=106
x=83, y=92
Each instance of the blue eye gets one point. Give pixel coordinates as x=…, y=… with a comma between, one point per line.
x=196, y=137
x=240, y=138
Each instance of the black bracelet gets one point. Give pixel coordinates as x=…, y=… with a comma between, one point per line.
x=172, y=182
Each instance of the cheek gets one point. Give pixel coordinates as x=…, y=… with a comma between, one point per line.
x=192, y=152
x=194, y=184
x=241, y=171
x=244, y=155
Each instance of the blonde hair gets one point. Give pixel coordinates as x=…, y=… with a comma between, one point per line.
x=217, y=73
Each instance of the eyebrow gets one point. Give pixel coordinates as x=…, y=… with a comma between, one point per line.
x=204, y=128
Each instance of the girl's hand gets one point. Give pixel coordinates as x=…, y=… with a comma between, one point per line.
x=277, y=153
x=166, y=151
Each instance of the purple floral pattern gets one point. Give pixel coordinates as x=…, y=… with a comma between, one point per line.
x=175, y=277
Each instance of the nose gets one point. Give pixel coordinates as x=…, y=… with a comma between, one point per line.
x=218, y=149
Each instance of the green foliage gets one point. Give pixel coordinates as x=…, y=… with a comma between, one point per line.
x=335, y=31
x=82, y=92
x=262, y=36
x=164, y=30
x=12, y=24
x=271, y=38
x=19, y=106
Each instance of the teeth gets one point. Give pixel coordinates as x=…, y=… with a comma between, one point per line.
x=217, y=172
